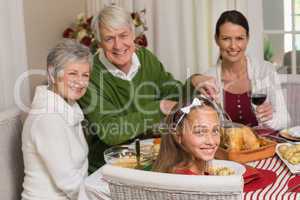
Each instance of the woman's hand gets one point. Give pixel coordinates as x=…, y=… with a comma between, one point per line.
x=166, y=106
x=264, y=112
x=206, y=85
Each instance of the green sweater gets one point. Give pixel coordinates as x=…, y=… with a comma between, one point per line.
x=118, y=110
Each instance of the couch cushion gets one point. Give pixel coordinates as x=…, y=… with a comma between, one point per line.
x=11, y=161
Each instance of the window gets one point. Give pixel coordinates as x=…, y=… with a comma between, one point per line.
x=281, y=20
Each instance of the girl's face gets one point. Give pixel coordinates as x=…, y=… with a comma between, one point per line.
x=201, y=133
x=72, y=82
x=232, y=42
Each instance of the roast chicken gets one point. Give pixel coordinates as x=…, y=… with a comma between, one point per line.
x=239, y=139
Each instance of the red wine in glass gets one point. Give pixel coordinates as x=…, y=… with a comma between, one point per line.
x=258, y=98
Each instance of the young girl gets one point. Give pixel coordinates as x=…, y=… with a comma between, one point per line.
x=193, y=138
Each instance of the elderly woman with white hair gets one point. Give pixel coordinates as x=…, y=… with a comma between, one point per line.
x=53, y=144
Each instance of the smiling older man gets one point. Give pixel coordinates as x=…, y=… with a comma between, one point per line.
x=129, y=91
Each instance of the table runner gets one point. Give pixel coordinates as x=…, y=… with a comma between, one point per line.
x=278, y=189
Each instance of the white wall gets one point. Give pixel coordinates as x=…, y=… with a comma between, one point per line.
x=44, y=24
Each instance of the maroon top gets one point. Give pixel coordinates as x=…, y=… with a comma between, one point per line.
x=238, y=107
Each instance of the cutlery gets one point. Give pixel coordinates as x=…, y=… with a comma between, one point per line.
x=138, y=154
x=249, y=180
x=254, y=174
x=291, y=189
x=279, y=139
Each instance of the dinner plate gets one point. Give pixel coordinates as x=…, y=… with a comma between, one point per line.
x=295, y=169
x=285, y=133
x=294, y=131
x=237, y=167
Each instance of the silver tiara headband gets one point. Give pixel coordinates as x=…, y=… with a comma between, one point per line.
x=199, y=102
x=187, y=109
x=195, y=102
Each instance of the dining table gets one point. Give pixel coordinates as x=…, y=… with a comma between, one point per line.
x=278, y=190
x=96, y=188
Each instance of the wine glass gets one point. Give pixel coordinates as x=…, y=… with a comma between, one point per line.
x=258, y=97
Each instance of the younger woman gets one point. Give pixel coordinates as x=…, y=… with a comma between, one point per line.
x=238, y=74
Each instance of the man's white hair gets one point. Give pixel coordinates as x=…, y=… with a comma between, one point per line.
x=111, y=17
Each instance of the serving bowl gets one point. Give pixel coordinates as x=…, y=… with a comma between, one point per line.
x=124, y=156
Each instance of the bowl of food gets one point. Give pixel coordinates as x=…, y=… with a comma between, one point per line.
x=226, y=168
x=124, y=156
x=290, y=155
x=290, y=152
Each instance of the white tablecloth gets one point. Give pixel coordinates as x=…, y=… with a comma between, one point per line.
x=94, y=188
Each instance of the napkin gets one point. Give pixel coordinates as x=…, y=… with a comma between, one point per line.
x=250, y=174
x=295, y=131
x=264, y=178
x=294, y=181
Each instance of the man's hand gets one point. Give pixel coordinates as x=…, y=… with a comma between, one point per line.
x=166, y=106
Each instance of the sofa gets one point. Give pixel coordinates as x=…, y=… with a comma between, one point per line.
x=11, y=161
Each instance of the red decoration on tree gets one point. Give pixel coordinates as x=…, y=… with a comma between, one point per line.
x=81, y=30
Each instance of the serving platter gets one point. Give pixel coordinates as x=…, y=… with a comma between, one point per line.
x=244, y=156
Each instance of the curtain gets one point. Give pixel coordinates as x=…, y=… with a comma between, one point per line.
x=252, y=9
x=12, y=54
x=181, y=33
